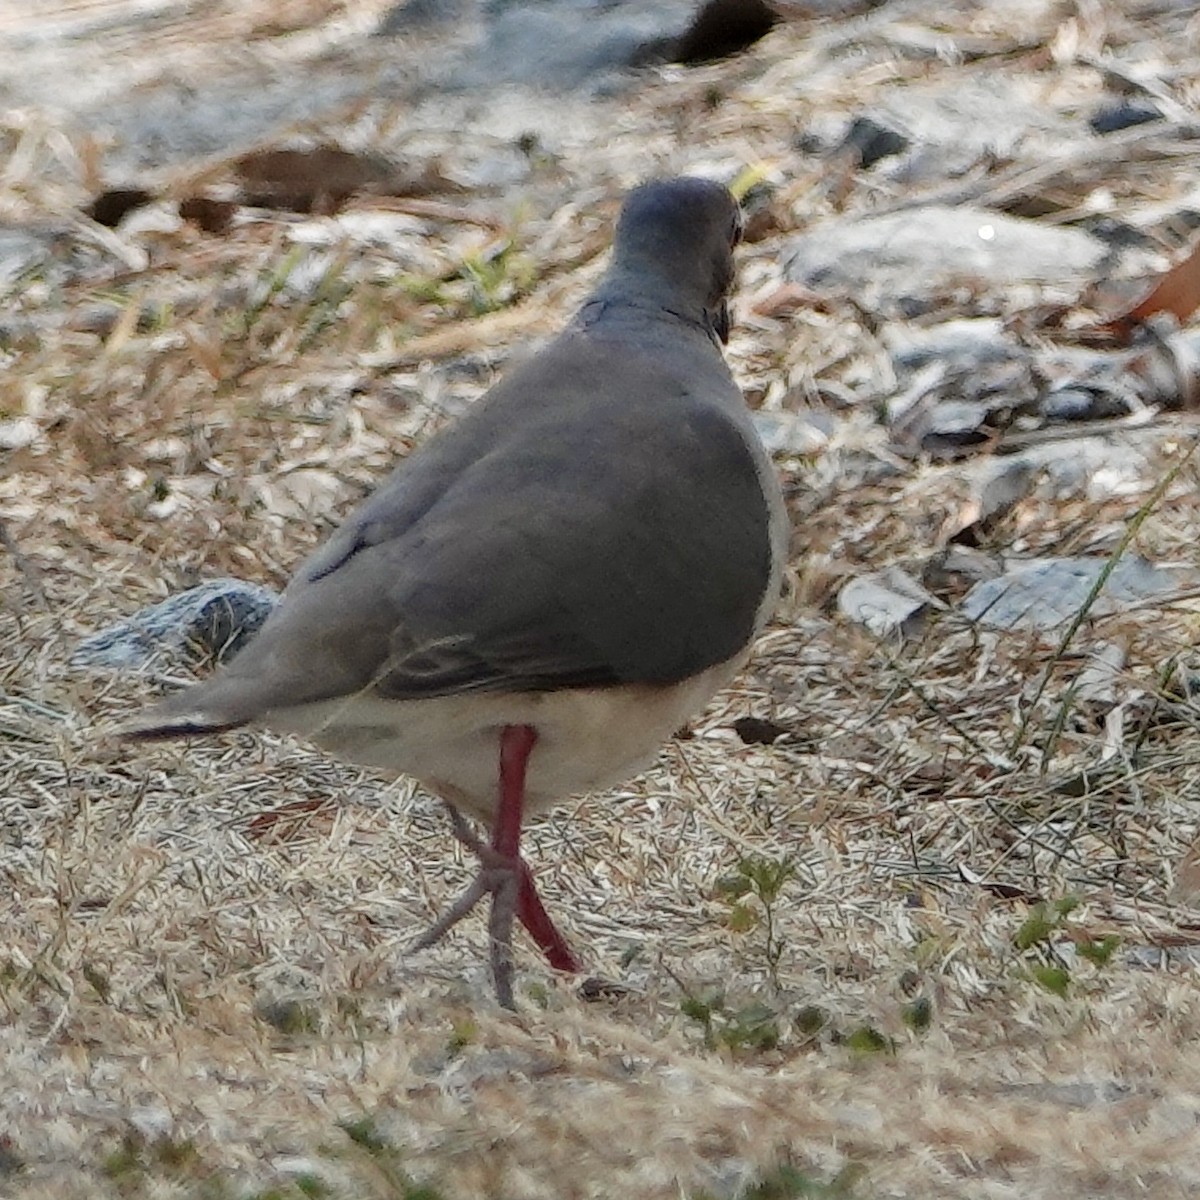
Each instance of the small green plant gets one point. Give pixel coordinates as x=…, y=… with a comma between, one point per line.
x=138, y=1157
x=498, y=275
x=124, y=1162
x=866, y=1039
x=384, y=1160
x=917, y=1014
x=424, y=289
x=271, y=283
x=462, y=1033
x=810, y=1020
x=760, y=880
x=1098, y=951
x=362, y=1132
x=786, y=1182
x=332, y=291
x=291, y=1017
x=311, y=1186
x=1038, y=937
x=753, y=1027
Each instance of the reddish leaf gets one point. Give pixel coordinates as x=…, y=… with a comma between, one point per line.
x=289, y=821
x=1177, y=292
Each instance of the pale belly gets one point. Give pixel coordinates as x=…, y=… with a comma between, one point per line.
x=588, y=738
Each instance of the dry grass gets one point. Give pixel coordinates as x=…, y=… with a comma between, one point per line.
x=199, y=1002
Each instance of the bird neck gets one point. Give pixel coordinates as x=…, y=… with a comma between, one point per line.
x=615, y=302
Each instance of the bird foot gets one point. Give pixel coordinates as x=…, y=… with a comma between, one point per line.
x=501, y=879
x=508, y=880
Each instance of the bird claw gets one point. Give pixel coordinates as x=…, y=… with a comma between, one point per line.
x=501, y=880
x=508, y=881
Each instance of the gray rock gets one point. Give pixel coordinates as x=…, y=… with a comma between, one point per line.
x=952, y=127
x=214, y=620
x=1047, y=593
x=911, y=253
x=871, y=140
x=563, y=45
x=1079, y=403
x=1096, y=467
x=1116, y=115
x=567, y=43
x=20, y=251
x=424, y=14
x=195, y=109
x=964, y=343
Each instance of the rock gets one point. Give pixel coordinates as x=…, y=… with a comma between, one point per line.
x=946, y=429
x=870, y=140
x=966, y=343
x=1046, y=593
x=568, y=44
x=424, y=14
x=964, y=382
x=1076, y=402
x=953, y=127
x=214, y=620
x=149, y=119
x=1124, y=114
x=999, y=488
x=18, y=432
x=1096, y=467
x=912, y=253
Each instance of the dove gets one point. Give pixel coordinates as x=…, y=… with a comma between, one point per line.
x=545, y=590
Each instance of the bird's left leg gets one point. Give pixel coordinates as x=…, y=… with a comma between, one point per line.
x=516, y=745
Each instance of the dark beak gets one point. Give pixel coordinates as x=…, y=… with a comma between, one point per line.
x=720, y=322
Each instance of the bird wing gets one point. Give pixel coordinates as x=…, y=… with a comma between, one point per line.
x=591, y=545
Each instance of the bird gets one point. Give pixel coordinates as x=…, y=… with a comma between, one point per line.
x=547, y=589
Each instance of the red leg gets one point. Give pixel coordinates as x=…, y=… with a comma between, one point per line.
x=516, y=745
x=533, y=915
x=504, y=875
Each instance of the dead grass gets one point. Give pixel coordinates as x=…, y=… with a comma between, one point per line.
x=197, y=1001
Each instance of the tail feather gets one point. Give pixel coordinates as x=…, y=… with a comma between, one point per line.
x=215, y=706
x=186, y=725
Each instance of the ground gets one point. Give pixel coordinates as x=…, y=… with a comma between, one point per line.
x=932, y=940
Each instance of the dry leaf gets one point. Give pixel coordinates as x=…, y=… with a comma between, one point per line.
x=887, y=601
x=1185, y=890
x=1177, y=292
x=294, y=820
x=998, y=496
